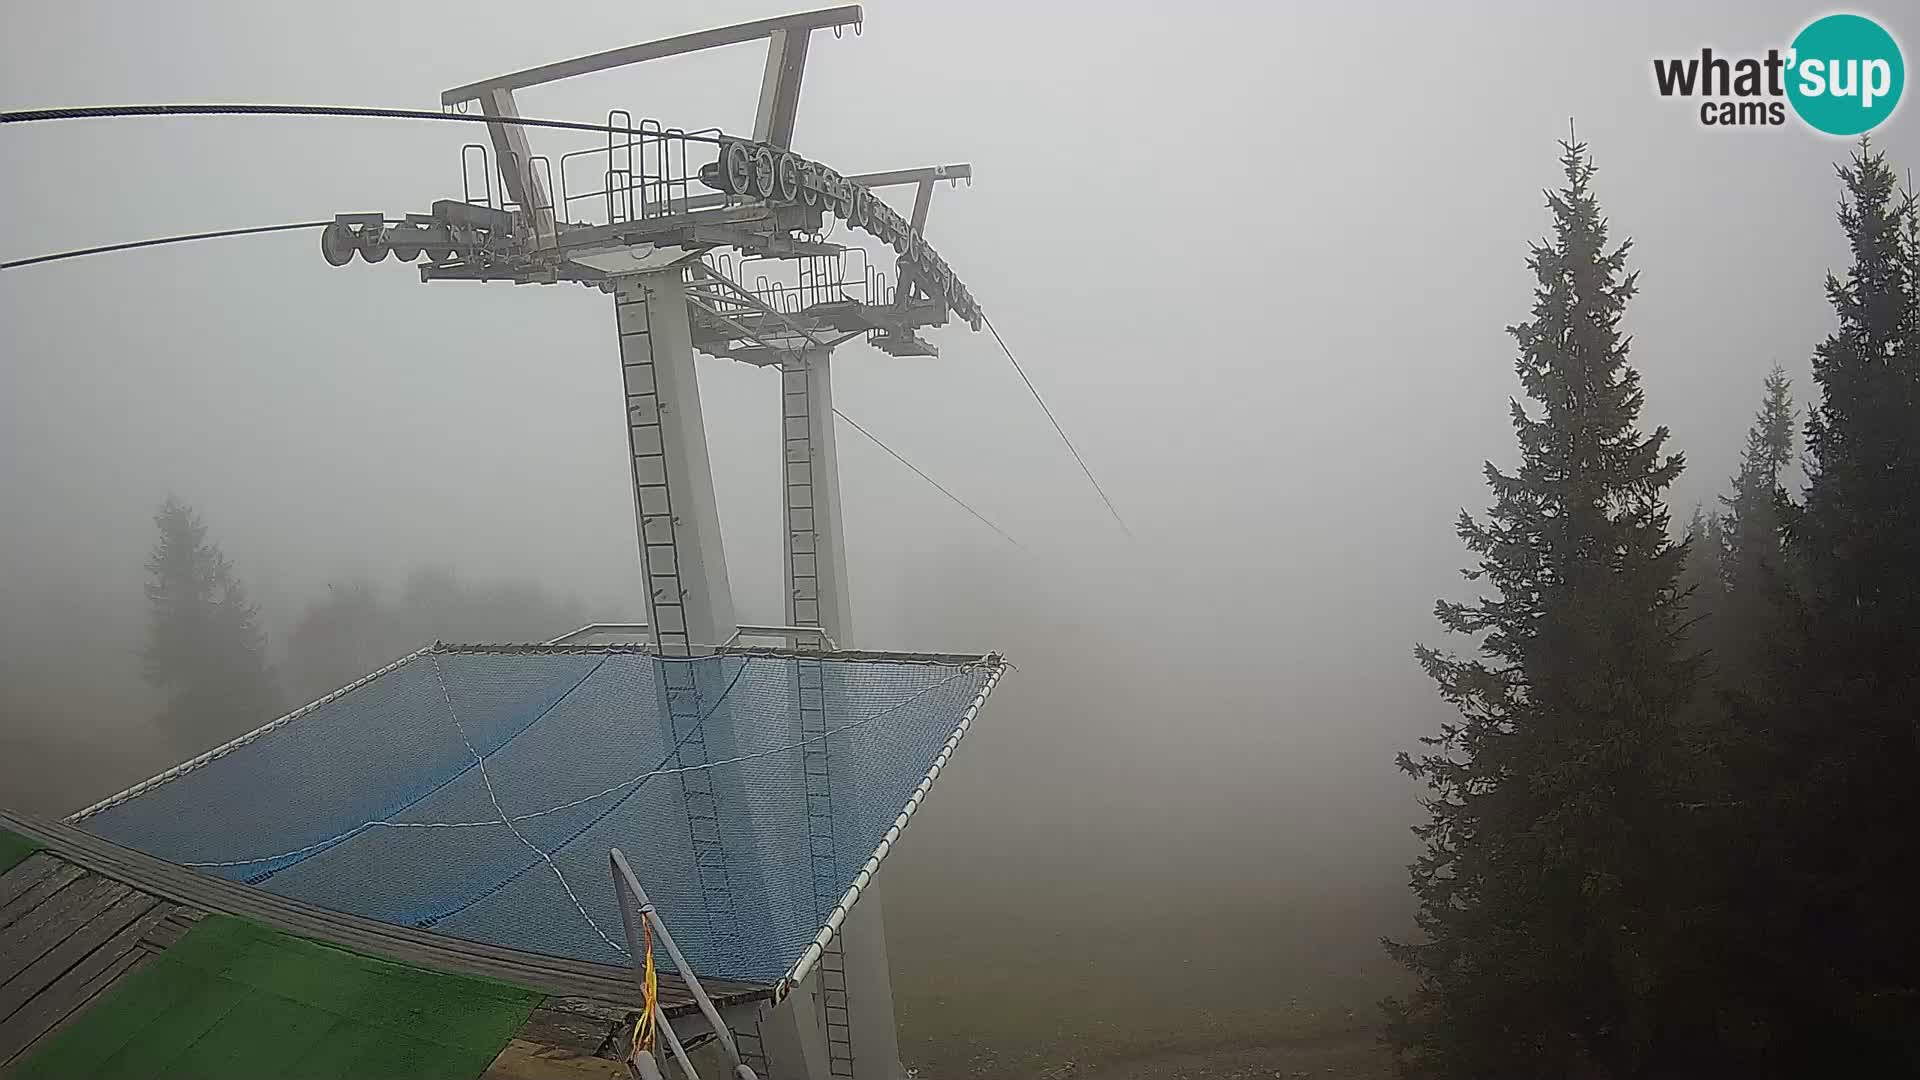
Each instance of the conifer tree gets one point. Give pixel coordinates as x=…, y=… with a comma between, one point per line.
x=1751, y=531
x=1837, y=799
x=1547, y=879
x=204, y=645
x=1703, y=580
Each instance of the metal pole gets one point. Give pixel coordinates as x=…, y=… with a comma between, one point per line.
x=624, y=879
x=635, y=952
x=673, y=1043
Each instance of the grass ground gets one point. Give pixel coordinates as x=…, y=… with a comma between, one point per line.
x=234, y=1000
x=13, y=848
x=1281, y=987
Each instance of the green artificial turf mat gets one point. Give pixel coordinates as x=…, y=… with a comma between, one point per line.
x=232, y=999
x=13, y=848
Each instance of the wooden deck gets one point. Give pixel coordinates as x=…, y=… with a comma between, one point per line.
x=67, y=935
x=83, y=913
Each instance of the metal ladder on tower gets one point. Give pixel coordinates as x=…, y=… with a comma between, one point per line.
x=652, y=497
x=653, y=505
x=803, y=553
x=685, y=714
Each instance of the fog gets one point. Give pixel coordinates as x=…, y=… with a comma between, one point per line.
x=1258, y=258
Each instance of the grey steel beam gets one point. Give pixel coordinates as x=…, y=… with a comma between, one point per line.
x=849, y=15
x=903, y=270
x=515, y=159
x=780, y=87
x=913, y=176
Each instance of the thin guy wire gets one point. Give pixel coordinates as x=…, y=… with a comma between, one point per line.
x=937, y=485
x=1031, y=389
x=487, y=782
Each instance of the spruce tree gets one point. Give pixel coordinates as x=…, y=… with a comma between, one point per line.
x=204, y=645
x=1844, y=857
x=1703, y=580
x=1751, y=527
x=1546, y=888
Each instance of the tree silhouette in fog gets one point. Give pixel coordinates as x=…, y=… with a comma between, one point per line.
x=1752, y=563
x=205, y=649
x=1623, y=877
x=354, y=629
x=1826, y=796
x=1548, y=859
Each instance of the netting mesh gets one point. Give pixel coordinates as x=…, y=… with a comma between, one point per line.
x=476, y=792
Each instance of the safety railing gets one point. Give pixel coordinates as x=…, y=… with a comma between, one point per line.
x=648, y=172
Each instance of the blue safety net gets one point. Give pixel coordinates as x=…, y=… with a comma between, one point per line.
x=476, y=791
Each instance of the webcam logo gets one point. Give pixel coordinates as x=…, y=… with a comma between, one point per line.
x=1842, y=75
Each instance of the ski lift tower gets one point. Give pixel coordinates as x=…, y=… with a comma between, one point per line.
x=671, y=223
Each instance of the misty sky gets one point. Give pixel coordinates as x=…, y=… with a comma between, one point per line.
x=1258, y=257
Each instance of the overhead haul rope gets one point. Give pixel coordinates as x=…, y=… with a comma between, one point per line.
x=290, y=226
x=365, y=112
x=157, y=241
x=98, y=112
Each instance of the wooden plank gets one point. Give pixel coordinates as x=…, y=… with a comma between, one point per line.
x=612, y=1012
x=434, y=951
x=128, y=963
x=524, y=1060
x=163, y=935
x=404, y=944
x=38, y=931
x=62, y=875
x=131, y=961
x=94, y=933
x=75, y=988
x=25, y=874
x=179, y=920
x=567, y=1031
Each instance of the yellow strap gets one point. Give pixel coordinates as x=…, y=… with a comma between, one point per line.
x=645, y=1030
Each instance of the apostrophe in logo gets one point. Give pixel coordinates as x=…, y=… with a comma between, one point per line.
x=1846, y=74
x=1843, y=75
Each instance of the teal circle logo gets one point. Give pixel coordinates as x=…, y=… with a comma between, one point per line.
x=1846, y=74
